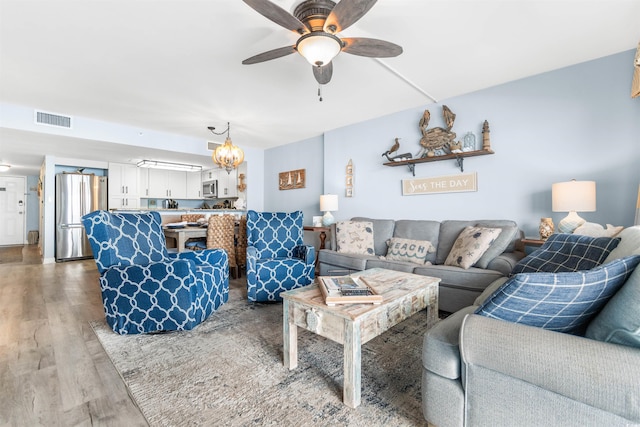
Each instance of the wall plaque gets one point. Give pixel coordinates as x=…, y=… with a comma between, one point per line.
x=440, y=184
x=291, y=179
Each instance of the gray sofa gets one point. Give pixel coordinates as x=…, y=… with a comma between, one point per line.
x=479, y=371
x=458, y=287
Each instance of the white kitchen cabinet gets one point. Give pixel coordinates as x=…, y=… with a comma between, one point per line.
x=210, y=174
x=194, y=185
x=227, y=184
x=123, y=186
x=167, y=184
x=123, y=202
x=143, y=174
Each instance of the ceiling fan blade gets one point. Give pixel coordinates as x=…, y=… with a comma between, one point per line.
x=372, y=48
x=270, y=54
x=323, y=74
x=278, y=15
x=345, y=13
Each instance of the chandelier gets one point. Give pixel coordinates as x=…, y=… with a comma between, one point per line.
x=227, y=155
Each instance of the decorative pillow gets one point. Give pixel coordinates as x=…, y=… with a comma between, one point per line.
x=562, y=302
x=596, y=230
x=619, y=321
x=499, y=245
x=567, y=252
x=629, y=244
x=408, y=250
x=354, y=237
x=471, y=243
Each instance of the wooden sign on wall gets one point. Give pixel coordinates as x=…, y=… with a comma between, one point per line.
x=440, y=184
x=292, y=179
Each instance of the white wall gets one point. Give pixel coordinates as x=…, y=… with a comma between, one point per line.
x=578, y=122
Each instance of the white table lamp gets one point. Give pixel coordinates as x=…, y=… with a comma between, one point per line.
x=328, y=204
x=573, y=196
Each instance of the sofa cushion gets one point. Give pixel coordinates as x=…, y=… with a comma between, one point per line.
x=449, y=232
x=619, y=321
x=567, y=252
x=562, y=302
x=441, y=345
x=473, y=279
x=504, y=242
x=419, y=230
x=337, y=262
x=382, y=232
x=629, y=244
x=354, y=237
x=470, y=245
x=414, y=251
x=406, y=267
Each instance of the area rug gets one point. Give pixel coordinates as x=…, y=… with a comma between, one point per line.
x=228, y=371
x=10, y=254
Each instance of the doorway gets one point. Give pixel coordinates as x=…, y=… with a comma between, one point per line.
x=12, y=210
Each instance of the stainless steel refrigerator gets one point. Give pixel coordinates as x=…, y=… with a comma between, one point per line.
x=77, y=194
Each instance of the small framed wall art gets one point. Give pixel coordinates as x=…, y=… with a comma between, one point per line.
x=292, y=179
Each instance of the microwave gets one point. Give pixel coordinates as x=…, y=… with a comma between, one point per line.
x=210, y=189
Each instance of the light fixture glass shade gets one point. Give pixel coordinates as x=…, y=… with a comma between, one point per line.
x=573, y=196
x=168, y=165
x=328, y=203
x=319, y=48
x=4, y=167
x=228, y=156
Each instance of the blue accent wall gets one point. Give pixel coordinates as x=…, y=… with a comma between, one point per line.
x=578, y=122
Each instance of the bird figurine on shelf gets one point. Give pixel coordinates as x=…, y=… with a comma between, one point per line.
x=394, y=149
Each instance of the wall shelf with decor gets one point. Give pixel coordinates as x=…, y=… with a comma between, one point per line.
x=459, y=157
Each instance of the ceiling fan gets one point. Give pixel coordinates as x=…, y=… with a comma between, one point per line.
x=318, y=22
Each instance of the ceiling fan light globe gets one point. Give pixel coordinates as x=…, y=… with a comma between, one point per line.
x=319, y=48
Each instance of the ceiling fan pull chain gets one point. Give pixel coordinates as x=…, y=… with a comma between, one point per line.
x=320, y=93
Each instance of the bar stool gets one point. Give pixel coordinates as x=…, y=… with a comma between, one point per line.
x=220, y=234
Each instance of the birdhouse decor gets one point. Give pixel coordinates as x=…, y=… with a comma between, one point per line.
x=349, y=180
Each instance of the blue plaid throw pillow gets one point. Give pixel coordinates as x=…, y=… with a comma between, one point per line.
x=563, y=302
x=567, y=252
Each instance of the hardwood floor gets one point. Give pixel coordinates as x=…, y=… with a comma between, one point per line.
x=53, y=370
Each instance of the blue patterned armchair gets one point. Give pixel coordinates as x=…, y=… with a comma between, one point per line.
x=144, y=287
x=277, y=259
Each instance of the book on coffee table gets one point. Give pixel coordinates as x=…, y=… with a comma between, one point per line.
x=347, y=290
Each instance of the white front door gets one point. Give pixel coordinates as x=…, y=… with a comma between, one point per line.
x=12, y=210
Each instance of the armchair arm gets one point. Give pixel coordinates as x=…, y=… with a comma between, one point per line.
x=215, y=257
x=505, y=262
x=598, y=374
x=307, y=253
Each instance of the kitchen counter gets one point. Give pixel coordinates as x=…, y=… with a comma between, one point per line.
x=184, y=211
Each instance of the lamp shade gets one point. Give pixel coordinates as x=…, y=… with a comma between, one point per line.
x=573, y=196
x=329, y=202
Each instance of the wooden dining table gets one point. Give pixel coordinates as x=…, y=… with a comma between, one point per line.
x=183, y=234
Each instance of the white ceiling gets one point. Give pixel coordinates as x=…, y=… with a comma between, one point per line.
x=175, y=65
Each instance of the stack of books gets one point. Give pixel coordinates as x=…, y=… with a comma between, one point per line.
x=347, y=290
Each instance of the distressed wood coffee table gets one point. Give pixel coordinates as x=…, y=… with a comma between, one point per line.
x=354, y=324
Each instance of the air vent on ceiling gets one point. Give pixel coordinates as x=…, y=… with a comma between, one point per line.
x=212, y=145
x=50, y=119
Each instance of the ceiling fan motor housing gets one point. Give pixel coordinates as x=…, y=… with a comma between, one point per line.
x=313, y=13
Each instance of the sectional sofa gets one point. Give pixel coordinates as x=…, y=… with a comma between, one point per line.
x=556, y=344
x=459, y=287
